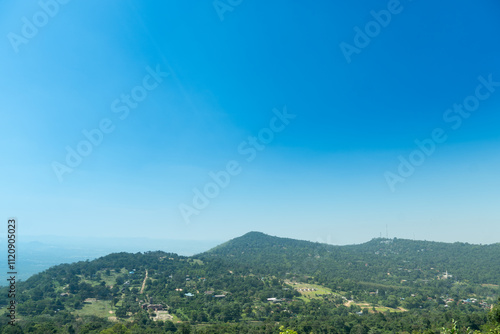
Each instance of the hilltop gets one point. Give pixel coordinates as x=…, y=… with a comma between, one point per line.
x=368, y=261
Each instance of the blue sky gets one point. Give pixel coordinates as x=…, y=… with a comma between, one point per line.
x=322, y=177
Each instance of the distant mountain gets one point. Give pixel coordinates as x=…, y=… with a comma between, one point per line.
x=402, y=259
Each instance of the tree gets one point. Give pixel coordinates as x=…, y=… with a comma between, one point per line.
x=12, y=329
x=121, y=312
x=286, y=331
x=391, y=301
x=184, y=328
x=494, y=315
x=120, y=280
x=116, y=329
x=493, y=325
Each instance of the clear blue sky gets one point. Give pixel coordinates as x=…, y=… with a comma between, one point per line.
x=322, y=177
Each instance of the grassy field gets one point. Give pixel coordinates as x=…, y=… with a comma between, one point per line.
x=383, y=309
x=58, y=288
x=388, y=309
x=98, y=308
x=377, y=307
x=493, y=286
x=317, y=292
x=175, y=319
x=110, y=279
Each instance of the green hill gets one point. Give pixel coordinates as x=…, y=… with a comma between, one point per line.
x=256, y=282
x=371, y=261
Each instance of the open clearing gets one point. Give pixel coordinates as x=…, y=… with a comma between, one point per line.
x=311, y=291
x=494, y=286
x=370, y=307
x=100, y=308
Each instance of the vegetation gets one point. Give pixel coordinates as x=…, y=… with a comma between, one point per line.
x=263, y=284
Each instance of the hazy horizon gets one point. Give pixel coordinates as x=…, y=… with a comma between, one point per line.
x=140, y=242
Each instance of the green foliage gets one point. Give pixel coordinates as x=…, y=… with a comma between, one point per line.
x=116, y=329
x=286, y=331
x=494, y=315
x=378, y=287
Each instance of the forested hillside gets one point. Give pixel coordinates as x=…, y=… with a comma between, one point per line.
x=406, y=259
x=257, y=283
